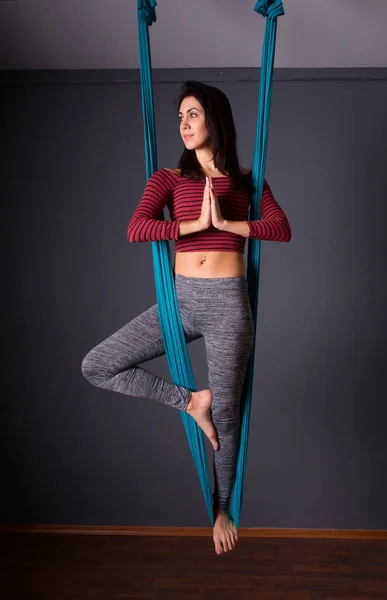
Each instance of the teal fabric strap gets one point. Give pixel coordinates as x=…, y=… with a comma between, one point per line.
x=170, y=321
x=270, y=9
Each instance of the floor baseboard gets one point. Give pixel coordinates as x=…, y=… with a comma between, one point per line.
x=253, y=532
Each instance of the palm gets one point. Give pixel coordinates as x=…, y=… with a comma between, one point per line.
x=217, y=218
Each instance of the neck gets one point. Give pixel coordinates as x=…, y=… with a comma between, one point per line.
x=205, y=158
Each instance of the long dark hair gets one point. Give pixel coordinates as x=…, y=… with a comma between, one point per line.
x=221, y=129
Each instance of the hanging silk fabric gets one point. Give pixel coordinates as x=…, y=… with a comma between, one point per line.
x=170, y=321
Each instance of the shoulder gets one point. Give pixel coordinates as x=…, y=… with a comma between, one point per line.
x=175, y=171
x=161, y=181
x=167, y=176
x=244, y=171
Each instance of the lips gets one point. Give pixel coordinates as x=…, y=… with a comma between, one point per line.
x=188, y=136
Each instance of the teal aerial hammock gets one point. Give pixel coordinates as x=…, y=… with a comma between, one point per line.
x=171, y=326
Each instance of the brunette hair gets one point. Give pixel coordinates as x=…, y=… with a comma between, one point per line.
x=221, y=130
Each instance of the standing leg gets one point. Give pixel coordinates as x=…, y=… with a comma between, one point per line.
x=228, y=331
x=227, y=364
x=114, y=363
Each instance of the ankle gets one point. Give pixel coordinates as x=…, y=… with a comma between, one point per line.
x=190, y=404
x=221, y=511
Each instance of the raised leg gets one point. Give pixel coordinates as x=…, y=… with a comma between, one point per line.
x=114, y=363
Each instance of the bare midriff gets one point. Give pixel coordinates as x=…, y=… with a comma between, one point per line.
x=209, y=264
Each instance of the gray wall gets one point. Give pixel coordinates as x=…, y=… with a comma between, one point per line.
x=74, y=173
x=96, y=34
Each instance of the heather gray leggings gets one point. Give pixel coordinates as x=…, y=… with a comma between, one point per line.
x=217, y=309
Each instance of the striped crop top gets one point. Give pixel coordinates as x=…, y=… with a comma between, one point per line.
x=184, y=197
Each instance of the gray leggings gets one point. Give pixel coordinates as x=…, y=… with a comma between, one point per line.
x=217, y=309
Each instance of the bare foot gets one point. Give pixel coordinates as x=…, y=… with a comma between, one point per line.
x=199, y=408
x=225, y=533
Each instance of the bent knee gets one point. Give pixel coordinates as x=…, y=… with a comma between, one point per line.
x=88, y=368
x=94, y=369
x=100, y=370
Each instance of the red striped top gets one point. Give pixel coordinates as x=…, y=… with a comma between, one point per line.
x=184, y=197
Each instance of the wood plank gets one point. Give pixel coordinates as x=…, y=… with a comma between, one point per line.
x=254, y=532
x=118, y=567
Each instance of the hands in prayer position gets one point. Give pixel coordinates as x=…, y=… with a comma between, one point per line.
x=211, y=214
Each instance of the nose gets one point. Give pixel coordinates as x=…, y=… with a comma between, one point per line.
x=183, y=123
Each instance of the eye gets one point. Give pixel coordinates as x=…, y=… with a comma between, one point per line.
x=191, y=114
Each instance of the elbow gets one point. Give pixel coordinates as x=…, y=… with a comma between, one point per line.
x=284, y=233
x=288, y=234
x=135, y=231
x=130, y=234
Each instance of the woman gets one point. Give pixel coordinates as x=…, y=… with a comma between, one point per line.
x=208, y=200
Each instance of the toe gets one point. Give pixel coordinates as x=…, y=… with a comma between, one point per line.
x=218, y=547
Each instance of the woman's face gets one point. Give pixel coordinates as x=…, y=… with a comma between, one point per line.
x=192, y=124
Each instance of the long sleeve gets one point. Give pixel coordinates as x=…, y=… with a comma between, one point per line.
x=145, y=224
x=273, y=225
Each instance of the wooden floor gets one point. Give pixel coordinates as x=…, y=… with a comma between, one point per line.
x=102, y=567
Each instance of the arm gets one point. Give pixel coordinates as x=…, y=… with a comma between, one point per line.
x=186, y=227
x=145, y=224
x=273, y=225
